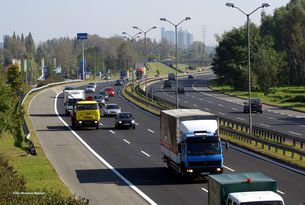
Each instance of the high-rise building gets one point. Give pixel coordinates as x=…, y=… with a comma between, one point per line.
x=184, y=38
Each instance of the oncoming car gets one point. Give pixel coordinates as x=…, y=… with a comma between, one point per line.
x=124, y=119
x=111, y=109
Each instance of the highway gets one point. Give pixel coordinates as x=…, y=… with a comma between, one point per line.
x=282, y=120
x=136, y=155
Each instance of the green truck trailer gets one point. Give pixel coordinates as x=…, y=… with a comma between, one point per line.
x=242, y=189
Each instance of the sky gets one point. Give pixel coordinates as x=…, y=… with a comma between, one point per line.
x=47, y=19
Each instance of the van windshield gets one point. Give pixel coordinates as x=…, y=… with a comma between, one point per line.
x=263, y=203
x=87, y=107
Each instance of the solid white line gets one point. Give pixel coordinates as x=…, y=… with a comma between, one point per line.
x=126, y=141
x=228, y=168
x=136, y=189
x=264, y=125
x=295, y=133
x=206, y=109
x=221, y=113
x=150, y=131
x=145, y=153
x=220, y=105
x=234, y=109
x=280, y=192
x=239, y=118
x=112, y=131
x=205, y=190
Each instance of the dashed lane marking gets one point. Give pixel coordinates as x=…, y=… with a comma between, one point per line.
x=295, y=133
x=112, y=131
x=206, y=109
x=203, y=189
x=239, y=118
x=150, y=130
x=280, y=192
x=228, y=168
x=145, y=153
x=126, y=141
x=220, y=105
x=234, y=109
x=264, y=125
x=221, y=113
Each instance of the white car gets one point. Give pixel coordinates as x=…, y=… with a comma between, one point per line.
x=111, y=109
x=90, y=89
x=93, y=84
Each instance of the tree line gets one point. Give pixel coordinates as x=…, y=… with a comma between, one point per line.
x=277, y=51
x=101, y=54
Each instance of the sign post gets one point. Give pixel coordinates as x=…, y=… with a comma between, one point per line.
x=82, y=36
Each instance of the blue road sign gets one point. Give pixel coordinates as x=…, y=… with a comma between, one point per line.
x=82, y=36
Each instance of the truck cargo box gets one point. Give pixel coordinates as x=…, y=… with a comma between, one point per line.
x=220, y=186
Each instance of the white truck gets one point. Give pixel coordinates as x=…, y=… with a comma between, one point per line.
x=250, y=188
x=71, y=97
x=190, y=143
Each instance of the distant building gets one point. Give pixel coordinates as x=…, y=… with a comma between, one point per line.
x=184, y=38
x=1, y=45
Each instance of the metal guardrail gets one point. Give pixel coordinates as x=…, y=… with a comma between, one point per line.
x=261, y=136
x=31, y=146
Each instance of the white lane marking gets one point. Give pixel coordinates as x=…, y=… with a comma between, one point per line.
x=290, y=115
x=220, y=105
x=136, y=123
x=239, y=118
x=282, y=113
x=136, y=189
x=126, y=141
x=200, y=99
x=264, y=125
x=302, y=125
x=101, y=124
x=234, y=109
x=206, y=109
x=145, y=153
x=195, y=105
x=221, y=113
x=280, y=192
x=295, y=133
x=112, y=131
x=228, y=168
x=210, y=102
x=205, y=190
x=271, y=118
x=150, y=130
x=172, y=96
x=186, y=94
x=300, y=116
x=186, y=102
x=275, y=111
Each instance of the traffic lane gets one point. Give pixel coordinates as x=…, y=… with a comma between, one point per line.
x=274, y=121
x=288, y=182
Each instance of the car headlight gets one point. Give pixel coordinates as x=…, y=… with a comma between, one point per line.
x=132, y=121
x=80, y=122
x=120, y=121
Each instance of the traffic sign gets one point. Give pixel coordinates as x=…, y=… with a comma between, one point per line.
x=82, y=36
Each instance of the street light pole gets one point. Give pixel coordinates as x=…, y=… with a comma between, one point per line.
x=132, y=38
x=176, y=51
x=249, y=62
x=145, y=48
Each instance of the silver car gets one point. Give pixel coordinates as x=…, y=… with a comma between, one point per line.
x=111, y=109
x=100, y=99
x=90, y=89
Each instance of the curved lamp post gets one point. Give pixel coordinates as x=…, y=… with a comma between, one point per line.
x=145, y=45
x=176, y=51
x=249, y=67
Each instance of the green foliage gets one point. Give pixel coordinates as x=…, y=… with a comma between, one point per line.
x=13, y=190
x=15, y=78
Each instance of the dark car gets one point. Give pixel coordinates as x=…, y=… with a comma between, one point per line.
x=181, y=90
x=118, y=83
x=256, y=106
x=167, y=84
x=124, y=119
x=190, y=77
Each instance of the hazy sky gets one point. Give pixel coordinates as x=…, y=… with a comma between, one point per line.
x=48, y=19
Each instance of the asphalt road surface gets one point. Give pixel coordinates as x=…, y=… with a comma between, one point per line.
x=136, y=155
